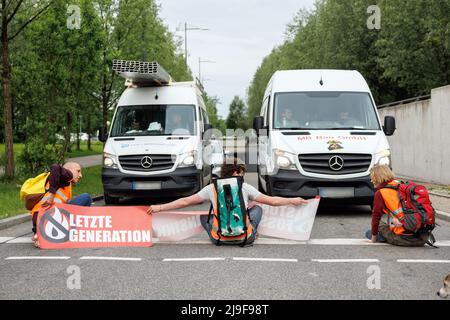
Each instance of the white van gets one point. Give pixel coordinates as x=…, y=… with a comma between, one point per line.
x=322, y=136
x=155, y=144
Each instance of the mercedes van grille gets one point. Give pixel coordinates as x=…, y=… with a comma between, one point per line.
x=146, y=162
x=320, y=163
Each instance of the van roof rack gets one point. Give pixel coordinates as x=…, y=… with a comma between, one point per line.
x=142, y=74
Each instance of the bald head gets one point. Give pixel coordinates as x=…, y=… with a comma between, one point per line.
x=75, y=168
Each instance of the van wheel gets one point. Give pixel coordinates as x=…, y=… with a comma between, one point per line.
x=111, y=200
x=260, y=187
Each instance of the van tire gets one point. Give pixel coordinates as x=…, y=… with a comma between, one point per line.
x=260, y=187
x=110, y=200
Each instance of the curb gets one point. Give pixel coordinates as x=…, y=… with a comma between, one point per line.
x=439, y=195
x=443, y=215
x=14, y=221
x=99, y=198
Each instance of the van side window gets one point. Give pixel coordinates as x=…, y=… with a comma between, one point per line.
x=265, y=110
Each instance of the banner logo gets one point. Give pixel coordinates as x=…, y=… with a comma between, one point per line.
x=55, y=225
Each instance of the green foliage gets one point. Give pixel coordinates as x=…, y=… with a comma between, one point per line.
x=36, y=157
x=408, y=57
x=238, y=115
x=61, y=74
x=211, y=109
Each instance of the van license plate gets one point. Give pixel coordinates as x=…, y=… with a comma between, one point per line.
x=337, y=192
x=147, y=185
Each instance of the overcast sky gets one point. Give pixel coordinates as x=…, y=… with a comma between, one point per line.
x=241, y=33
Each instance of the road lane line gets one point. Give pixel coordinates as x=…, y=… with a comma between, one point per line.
x=343, y=242
x=20, y=240
x=37, y=258
x=442, y=243
x=111, y=258
x=5, y=239
x=422, y=261
x=192, y=259
x=265, y=259
x=345, y=260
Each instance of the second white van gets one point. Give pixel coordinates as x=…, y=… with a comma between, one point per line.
x=319, y=135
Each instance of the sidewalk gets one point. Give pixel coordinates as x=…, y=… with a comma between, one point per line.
x=87, y=162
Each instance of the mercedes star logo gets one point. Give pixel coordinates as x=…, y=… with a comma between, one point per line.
x=336, y=163
x=146, y=162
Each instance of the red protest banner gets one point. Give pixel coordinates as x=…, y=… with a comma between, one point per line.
x=65, y=226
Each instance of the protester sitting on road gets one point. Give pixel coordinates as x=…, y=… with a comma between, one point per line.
x=59, y=190
x=393, y=232
x=231, y=168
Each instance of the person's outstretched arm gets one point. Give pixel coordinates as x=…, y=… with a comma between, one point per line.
x=177, y=204
x=280, y=201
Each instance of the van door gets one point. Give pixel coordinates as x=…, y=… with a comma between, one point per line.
x=206, y=149
x=263, y=141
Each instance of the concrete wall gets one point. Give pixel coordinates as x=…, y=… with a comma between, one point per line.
x=421, y=145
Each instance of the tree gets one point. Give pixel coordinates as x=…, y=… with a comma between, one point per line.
x=211, y=109
x=237, y=116
x=11, y=27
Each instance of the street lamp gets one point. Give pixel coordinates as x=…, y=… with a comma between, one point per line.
x=200, y=61
x=186, y=29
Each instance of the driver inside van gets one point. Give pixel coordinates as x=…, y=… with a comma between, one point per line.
x=286, y=120
x=345, y=118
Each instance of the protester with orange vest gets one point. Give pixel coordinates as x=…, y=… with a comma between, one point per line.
x=59, y=190
x=387, y=201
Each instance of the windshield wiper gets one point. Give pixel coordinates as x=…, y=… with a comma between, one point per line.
x=344, y=128
x=294, y=128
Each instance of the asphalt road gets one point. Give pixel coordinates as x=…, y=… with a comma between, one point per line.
x=296, y=271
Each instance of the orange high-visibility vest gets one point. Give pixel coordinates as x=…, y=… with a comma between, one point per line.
x=62, y=195
x=394, y=207
x=215, y=225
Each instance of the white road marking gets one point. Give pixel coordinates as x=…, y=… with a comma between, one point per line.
x=5, y=239
x=192, y=259
x=345, y=260
x=344, y=242
x=422, y=261
x=260, y=241
x=111, y=258
x=265, y=259
x=443, y=243
x=38, y=258
x=20, y=240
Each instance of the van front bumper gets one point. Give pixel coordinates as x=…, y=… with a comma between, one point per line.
x=182, y=182
x=293, y=184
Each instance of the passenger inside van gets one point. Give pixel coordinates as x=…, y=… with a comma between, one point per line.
x=175, y=123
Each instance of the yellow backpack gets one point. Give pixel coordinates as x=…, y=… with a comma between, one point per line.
x=33, y=190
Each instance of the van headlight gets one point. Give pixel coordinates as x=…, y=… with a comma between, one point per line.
x=383, y=158
x=285, y=160
x=187, y=159
x=110, y=161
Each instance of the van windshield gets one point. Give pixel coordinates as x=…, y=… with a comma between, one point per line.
x=154, y=120
x=325, y=111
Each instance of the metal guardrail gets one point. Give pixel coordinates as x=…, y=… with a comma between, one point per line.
x=406, y=101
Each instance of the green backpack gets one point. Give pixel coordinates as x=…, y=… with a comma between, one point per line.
x=231, y=220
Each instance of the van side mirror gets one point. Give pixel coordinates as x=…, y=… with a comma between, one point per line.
x=258, y=124
x=208, y=127
x=103, y=134
x=389, y=126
